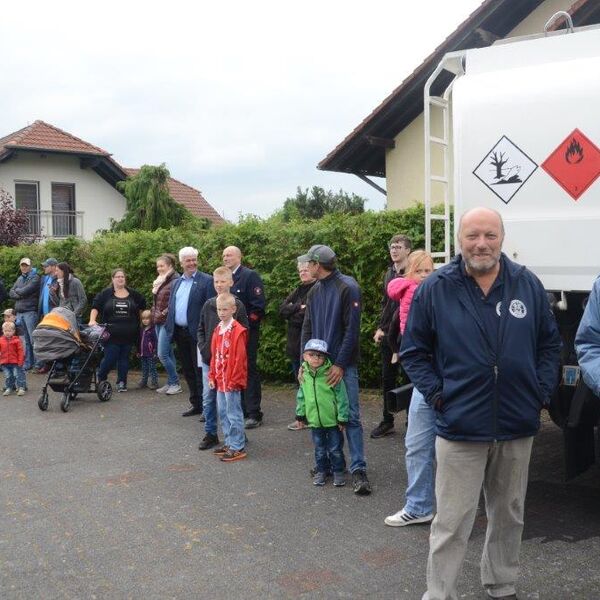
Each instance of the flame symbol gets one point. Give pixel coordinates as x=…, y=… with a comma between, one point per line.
x=574, y=153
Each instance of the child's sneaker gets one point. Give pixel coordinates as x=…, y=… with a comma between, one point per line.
x=7, y=392
x=339, y=479
x=232, y=455
x=221, y=450
x=121, y=386
x=20, y=392
x=319, y=479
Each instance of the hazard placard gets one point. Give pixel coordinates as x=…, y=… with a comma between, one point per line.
x=575, y=164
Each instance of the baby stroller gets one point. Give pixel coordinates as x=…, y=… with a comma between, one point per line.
x=75, y=356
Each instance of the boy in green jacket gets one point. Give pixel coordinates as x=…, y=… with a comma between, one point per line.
x=325, y=409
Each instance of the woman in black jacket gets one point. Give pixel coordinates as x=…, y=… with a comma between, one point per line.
x=292, y=310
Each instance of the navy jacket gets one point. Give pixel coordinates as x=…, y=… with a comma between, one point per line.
x=333, y=308
x=491, y=389
x=202, y=290
x=249, y=288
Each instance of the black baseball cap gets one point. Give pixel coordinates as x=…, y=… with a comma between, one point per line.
x=319, y=253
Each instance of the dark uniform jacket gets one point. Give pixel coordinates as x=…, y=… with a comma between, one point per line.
x=249, y=288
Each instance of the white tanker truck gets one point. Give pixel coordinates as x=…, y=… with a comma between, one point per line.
x=516, y=127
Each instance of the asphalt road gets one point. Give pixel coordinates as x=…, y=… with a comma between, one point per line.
x=113, y=500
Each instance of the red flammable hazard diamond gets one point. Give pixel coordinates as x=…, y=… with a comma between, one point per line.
x=575, y=164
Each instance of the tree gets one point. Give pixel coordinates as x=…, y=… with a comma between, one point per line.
x=498, y=161
x=14, y=224
x=149, y=204
x=317, y=203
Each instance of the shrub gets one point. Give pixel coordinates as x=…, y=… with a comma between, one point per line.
x=270, y=246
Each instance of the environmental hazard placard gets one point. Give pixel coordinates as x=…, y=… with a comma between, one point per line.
x=575, y=164
x=504, y=169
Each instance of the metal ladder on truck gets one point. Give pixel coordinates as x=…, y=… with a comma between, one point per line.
x=453, y=63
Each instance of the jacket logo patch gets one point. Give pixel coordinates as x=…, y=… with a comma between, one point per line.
x=498, y=306
x=257, y=291
x=517, y=309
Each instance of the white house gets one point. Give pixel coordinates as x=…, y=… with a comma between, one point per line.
x=68, y=186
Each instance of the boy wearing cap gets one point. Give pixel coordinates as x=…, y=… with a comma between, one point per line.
x=25, y=292
x=325, y=409
x=333, y=310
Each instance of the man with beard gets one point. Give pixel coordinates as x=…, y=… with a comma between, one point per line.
x=483, y=348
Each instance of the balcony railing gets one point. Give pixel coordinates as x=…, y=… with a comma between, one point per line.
x=55, y=224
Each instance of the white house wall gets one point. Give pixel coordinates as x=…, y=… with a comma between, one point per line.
x=405, y=163
x=96, y=198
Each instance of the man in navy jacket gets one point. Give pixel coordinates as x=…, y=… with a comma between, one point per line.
x=248, y=287
x=482, y=346
x=333, y=310
x=188, y=295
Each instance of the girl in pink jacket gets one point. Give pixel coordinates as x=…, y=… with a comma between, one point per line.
x=402, y=289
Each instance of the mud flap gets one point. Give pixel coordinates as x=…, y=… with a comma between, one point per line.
x=580, y=447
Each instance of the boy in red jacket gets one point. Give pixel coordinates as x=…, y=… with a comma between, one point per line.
x=12, y=357
x=228, y=373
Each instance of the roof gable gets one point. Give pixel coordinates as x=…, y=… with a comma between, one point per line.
x=362, y=152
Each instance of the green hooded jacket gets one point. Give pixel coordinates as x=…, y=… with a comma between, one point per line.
x=317, y=403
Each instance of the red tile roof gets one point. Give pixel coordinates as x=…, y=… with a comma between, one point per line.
x=191, y=198
x=43, y=136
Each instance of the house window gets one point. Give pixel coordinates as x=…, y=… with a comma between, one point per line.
x=27, y=198
x=63, y=210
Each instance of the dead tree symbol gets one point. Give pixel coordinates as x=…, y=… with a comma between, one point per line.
x=498, y=161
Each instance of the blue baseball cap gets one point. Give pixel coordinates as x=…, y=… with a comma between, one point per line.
x=316, y=346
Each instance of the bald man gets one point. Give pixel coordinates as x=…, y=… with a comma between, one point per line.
x=482, y=346
x=248, y=287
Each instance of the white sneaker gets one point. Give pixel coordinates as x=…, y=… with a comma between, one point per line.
x=7, y=392
x=174, y=389
x=402, y=518
x=20, y=392
x=163, y=389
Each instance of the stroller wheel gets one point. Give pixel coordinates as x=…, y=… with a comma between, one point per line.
x=104, y=391
x=66, y=402
x=43, y=401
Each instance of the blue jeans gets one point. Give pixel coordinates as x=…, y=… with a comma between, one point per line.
x=329, y=454
x=166, y=355
x=232, y=419
x=354, y=428
x=29, y=321
x=115, y=354
x=209, y=403
x=420, y=456
x=14, y=377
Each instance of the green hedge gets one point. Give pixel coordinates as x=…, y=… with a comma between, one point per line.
x=270, y=246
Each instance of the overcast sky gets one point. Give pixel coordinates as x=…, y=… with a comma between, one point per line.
x=240, y=99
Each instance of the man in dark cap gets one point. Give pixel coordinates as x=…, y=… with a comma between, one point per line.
x=333, y=308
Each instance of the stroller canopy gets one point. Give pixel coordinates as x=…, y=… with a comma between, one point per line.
x=57, y=336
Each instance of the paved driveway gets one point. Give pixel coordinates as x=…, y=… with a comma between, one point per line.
x=115, y=501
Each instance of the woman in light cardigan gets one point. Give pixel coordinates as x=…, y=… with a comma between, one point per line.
x=68, y=291
x=161, y=292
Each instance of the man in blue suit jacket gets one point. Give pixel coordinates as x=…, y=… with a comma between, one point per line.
x=188, y=296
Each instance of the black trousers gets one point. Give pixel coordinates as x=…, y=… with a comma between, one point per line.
x=389, y=375
x=251, y=396
x=186, y=348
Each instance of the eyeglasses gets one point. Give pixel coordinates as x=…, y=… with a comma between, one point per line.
x=396, y=247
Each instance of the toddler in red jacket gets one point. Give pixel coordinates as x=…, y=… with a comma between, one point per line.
x=228, y=374
x=12, y=357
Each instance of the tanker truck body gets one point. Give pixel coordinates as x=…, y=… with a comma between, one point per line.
x=518, y=130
